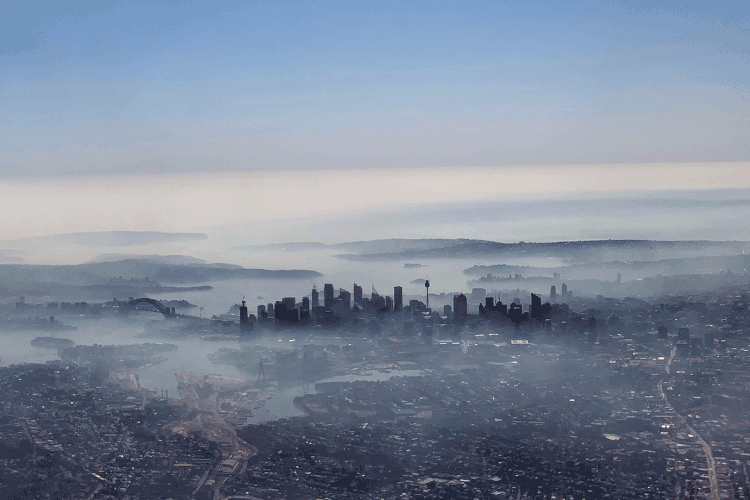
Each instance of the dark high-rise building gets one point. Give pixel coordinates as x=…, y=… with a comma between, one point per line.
x=292, y=315
x=389, y=303
x=564, y=291
x=553, y=294
x=285, y=314
x=536, y=306
x=306, y=303
x=271, y=312
x=315, y=300
x=346, y=298
x=279, y=311
x=515, y=312
x=328, y=296
x=244, y=320
x=489, y=303
x=460, y=309
x=262, y=311
x=358, y=295
x=289, y=302
x=398, y=298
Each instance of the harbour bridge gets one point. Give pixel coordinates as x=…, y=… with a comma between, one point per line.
x=155, y=304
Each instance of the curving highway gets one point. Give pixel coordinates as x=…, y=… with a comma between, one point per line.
x=711, y=464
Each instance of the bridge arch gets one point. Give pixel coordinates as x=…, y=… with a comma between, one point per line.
x=167, y=312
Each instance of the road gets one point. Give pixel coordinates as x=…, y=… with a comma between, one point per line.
x=710, y=462
x=213, y=426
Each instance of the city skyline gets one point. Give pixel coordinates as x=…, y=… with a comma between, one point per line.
x=328, y=249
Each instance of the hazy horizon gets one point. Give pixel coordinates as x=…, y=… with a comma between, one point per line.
x=332, y=122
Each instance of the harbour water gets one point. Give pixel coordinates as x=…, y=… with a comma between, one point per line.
x=190, y=356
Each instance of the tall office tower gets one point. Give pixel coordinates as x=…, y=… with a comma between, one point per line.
x=460, y=309
x=328, y=295
x=315, y=300
x=289, y=302
x=398, y=298
x=306, y=303
x=553, y=294
x=564, y=291
x=279, y=311
x=515, y=312
x=262, y=311
x=389, y=303
x=345, y=297
x=536, y=306
x=358, y=295
x=489, y=303
x=271, y=312
x=244, y=321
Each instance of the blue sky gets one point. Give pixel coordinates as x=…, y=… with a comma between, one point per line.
x=173, y=87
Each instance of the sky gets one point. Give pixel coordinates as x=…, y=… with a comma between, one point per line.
x=114, y=108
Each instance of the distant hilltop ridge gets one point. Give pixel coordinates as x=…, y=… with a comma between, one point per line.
x=95, y=273
x=385, y=245
x=157, y=259
x=581, y=250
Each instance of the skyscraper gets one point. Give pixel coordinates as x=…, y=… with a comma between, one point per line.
x=279, y=312
x=346, y=298
x=553, y=294
x=357, y=294
x=289, y=302
x=398, y=298
x=244, y=320
x=315, y=300
x=536, y=306
x=328, y=296
x=564, y=291
x=460, y=309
